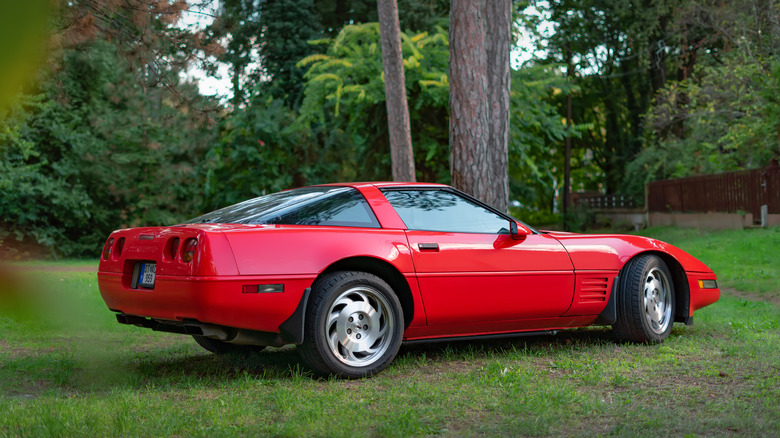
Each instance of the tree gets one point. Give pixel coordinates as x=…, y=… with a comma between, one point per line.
x=611, y=40
x=469, y=130
x=109, y=136
x=401, y=152
x=287, y=26
x=479, y=85
x=238, y=28
x=345, y=98
x=498, y=14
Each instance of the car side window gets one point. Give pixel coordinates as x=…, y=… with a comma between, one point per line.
x=346, y=209
x=441, y=210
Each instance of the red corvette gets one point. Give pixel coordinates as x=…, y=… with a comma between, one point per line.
x=349, y=271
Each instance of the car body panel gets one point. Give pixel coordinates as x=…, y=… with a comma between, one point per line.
x=592, y=253
x=612, y=251
x=472, y=284
x=525, y=278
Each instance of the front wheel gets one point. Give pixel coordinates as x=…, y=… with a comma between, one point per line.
x=645, y=301
x=354, y=325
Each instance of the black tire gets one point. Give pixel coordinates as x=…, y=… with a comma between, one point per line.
x=645, y=301
x=354, y=325
x=218, y=347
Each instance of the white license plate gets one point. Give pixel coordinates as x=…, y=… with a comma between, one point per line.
x=146, y=274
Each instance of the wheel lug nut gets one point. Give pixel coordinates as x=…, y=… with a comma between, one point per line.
x=349, y=332
x=365, y=327
x=351, y=319
x=358, y=336
x=361, y=316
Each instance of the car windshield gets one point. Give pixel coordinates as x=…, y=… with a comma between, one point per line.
x=337, y=206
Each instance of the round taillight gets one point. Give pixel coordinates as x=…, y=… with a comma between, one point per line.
x=107, y=248
x=174, y=248
x=188, y=252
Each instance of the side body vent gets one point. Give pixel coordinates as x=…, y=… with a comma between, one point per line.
x=594, y=289
x=591, y=292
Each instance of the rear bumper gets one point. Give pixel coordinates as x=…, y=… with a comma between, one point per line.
x=213, y=300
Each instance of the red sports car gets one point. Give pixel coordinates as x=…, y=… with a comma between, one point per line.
x=349, y=271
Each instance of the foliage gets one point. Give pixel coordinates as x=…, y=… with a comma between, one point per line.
x=667, y=88
x=23, y=34
x=345, y=92
x=288, y=26
x=537, y=134
x=414, y=15
x=729, y=114
x=724, y=114
x=610, y=45
x=236, y=29
x=91, y=153
x=258, y=152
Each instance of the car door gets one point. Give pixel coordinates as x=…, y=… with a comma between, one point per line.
x=470, y=269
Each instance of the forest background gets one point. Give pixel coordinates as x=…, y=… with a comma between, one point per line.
x=105, y=132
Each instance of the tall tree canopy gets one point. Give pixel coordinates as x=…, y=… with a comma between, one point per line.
x=110, y=135
x=664, y=84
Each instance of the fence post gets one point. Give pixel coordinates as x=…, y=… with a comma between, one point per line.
x=764, y=216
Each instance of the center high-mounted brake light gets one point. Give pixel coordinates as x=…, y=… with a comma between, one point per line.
x=188, y=251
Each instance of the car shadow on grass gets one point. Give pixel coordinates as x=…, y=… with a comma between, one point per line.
x=183, y=365
x=533, y=345
x=272, y=363
x=284, y=364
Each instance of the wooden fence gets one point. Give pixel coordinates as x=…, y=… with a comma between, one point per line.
x=596, y=201
x=729, y=192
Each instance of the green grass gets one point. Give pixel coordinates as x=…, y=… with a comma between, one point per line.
x=68, y=369
x=50, y=264
x=747, y=260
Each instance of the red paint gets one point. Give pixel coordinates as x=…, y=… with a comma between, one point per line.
x=465, y=284
x=532, y=277
x=701, y=297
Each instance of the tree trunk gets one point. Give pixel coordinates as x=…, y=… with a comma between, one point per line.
x=567, y=147
x=469, y=130
x=498, y=15
x=401, y=152
x=479, y=98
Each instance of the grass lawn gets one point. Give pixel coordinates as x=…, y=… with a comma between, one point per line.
x=68, y=369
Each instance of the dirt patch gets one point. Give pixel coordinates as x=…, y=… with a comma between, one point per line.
x=767, y=297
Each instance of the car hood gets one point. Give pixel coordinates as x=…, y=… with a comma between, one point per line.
x=612, y=251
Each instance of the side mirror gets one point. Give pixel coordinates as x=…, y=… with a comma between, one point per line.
x=517, y=232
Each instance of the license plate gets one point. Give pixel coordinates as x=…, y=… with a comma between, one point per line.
x=146, y=275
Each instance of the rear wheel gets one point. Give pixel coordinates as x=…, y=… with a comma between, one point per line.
x=645, y=301
x=218, y=347
x=354, y=325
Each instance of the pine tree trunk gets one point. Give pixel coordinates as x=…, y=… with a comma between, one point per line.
x=401, y=152
x=469, y=130
x=498, y=15
x=479, y=98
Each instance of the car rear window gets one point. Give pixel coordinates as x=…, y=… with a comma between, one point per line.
x=334, y=206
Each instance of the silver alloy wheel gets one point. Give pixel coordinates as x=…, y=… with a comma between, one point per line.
x=657, y=301
x=359, y=326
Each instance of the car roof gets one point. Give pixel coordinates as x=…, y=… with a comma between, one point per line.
x=381, y=184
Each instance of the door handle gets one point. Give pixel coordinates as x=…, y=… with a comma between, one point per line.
x=428, y=247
